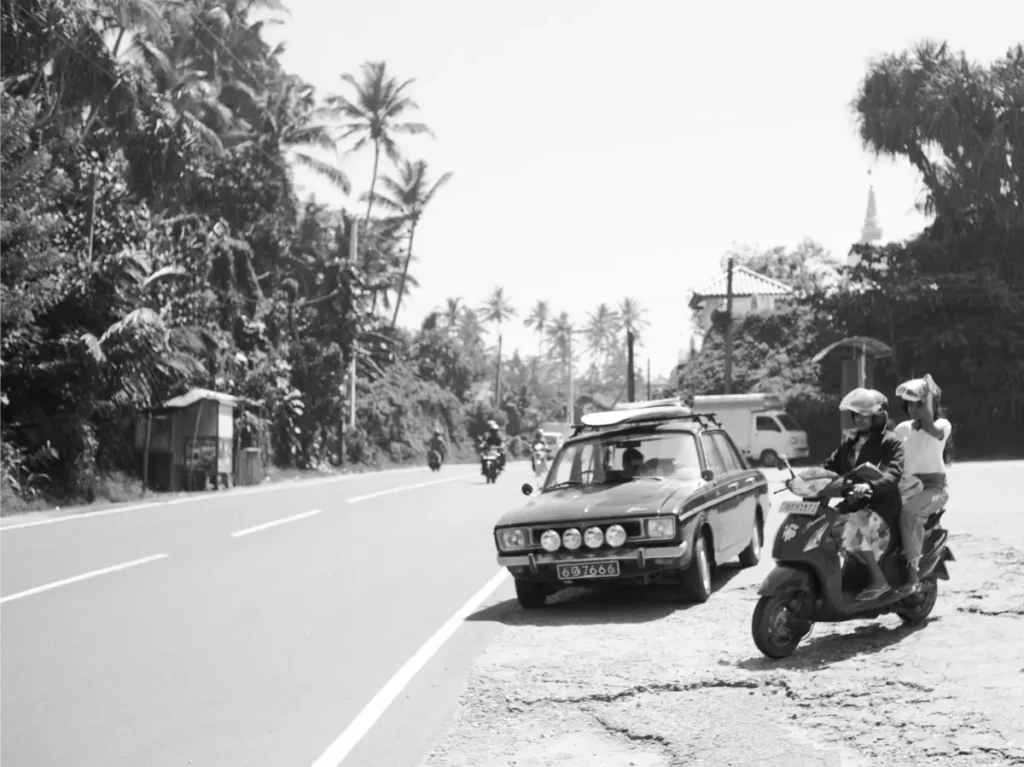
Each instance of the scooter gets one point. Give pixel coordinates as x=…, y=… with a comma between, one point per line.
x=813, y=579
x=434, y=460
x=540, y=460
x=492, y=464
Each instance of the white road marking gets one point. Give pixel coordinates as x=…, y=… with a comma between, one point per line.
x=366, y=718
x=234, y=493
x=389, y=491
x=275, y=523
x=82, y=577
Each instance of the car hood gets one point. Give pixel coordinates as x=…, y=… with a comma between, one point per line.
x=638, y=498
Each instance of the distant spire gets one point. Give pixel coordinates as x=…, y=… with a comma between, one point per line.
x=871, y=232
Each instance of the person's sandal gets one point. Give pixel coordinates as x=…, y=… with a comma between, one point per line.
x=869, y=595
x=907, y=589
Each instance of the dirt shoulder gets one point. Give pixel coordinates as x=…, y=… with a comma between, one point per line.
x=639, y=677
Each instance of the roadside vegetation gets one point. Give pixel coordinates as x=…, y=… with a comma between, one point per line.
x=153, y=240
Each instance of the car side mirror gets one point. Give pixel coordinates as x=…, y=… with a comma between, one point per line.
x=527, y=488
x=707, y=475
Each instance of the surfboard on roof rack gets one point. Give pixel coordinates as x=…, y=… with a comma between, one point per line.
x=617, y=417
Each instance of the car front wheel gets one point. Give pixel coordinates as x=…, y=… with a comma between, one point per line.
x=751, y=555
x=697, y=577
x=531, y=594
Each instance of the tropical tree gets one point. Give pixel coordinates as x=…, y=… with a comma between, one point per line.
x=601, y=329
x=407, y=197
x=631, y=318
x=538, y=320
x=375, y=116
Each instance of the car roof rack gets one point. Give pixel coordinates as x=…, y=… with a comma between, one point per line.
x=646, y=412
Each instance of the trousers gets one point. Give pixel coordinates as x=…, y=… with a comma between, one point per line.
x=917, y=507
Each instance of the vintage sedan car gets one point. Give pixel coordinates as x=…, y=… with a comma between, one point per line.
x=636, y=495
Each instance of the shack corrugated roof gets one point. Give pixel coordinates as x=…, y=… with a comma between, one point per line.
x=195, y=395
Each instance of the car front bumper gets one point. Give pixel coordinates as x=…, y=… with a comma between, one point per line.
x=633, y=561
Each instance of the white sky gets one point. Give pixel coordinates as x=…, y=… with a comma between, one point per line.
x=604, y=149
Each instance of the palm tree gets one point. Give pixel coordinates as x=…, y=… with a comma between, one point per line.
x=538, y=321
x=631, y=318
x=452, y=313
x=601, y=329
x=408, y=197
x=497, y=309
x=375, y=116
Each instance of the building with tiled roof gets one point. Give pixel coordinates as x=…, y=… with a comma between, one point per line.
x=751, y=292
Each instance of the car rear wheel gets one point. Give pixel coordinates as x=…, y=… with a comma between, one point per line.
x=697, y=577
x=751, y=555
x=531, y=594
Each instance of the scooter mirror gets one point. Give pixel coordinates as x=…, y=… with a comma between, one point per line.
x=527, y=488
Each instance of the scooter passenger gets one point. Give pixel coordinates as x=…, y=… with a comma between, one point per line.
x=924, y=488
x=866, y=532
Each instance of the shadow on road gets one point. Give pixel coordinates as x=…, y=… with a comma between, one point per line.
x=582, y=606
x=824, y=651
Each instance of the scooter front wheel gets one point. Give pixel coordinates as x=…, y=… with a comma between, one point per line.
x=772, y=626
x=920, y=606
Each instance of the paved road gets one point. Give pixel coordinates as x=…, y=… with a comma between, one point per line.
x=231, y=640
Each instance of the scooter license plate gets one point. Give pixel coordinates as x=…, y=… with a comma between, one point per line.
x=799, y=508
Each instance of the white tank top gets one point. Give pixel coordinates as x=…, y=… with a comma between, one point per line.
x=922, y=452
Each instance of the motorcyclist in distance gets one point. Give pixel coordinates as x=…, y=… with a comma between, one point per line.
x=493, y=439
x=437, y=443
x=866, y=532
x=537, y=445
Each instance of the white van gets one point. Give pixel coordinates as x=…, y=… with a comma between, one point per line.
x=758, y=425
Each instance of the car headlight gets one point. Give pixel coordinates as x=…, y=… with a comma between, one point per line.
x=615, y=535
x=509, y=540
x=593, y=537
x=550, y=541
x=571, y=539
x=661, y=527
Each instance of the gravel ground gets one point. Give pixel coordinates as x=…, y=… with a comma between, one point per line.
x=639, y=677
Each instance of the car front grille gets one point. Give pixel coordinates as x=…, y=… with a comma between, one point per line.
x=633, y=527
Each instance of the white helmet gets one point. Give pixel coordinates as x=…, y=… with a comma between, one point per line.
x=865, y=402
x=917, y=389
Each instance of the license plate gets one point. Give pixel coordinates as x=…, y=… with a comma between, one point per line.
x=588, y=570
x=800, y=508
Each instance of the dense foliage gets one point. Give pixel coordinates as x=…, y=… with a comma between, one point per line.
x=153, y=241
x=950, y=302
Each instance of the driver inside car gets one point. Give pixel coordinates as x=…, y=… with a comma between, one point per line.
x=632, y=463
x=866, y=532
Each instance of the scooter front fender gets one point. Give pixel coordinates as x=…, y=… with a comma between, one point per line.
x=787, y=577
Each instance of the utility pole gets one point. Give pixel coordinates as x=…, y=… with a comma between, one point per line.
x=648, y=378
x=728, y=329
x=571, y=411
x=497, y=378
x=630, y=379
x=353, y=251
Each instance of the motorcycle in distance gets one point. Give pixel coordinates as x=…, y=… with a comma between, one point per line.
x=814, y=581
x=492, y=458
x=434, y=460
x=540, y=460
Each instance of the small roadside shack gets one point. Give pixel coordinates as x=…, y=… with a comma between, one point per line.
x=859, y=356
x=188, y=442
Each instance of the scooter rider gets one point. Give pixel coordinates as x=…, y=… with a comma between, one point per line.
x=538, y=446
x=867, y=532
x=493, y=439
x=437, y=443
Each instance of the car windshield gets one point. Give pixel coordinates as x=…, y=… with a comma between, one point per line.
x=788, y=423
x=616, y=458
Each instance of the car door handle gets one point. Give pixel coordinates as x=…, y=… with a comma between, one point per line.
x=732, y=485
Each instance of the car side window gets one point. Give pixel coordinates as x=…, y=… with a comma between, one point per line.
x=740, y=460
x=715, y=461
x=765, y=423
x=728, y=458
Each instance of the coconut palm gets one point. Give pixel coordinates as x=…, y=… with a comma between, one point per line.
x=452, y=313
x=407, y=197
x=601, y=329
x=559, y=336
x=538, y=321
x=375, y=116
x=631, y=318
x=497, y=309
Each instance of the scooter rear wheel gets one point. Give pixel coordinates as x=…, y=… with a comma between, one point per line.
x=920, y=611
x=770, y=626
